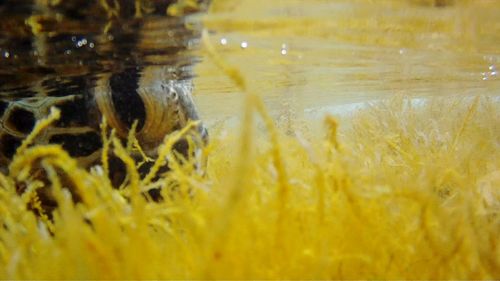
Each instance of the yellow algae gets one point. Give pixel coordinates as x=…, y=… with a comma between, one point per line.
x=398, y=190
x=412, y=193
x=182, y=7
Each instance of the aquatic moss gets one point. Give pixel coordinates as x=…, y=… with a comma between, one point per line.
x=398, y=190
x=403, y=191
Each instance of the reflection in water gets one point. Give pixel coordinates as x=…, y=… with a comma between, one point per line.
x=54, y=47
x=125, y=60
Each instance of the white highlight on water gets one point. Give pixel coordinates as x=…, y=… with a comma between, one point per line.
x=284, y=49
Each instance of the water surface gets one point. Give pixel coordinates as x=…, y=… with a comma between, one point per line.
x=309, y=57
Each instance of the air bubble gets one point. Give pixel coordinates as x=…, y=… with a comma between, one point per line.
x=244, y=44
x=6, y=54
x=81, y=43
x=284, y=49
x=223, y=41
x=91, y=45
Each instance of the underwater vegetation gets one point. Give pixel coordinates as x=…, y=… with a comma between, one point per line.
x=398, y=190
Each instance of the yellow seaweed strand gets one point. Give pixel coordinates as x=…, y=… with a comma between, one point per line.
x=332, y=128
x=54, y=115
x=252, y=102
x=105, y=146
x=111, y=10
x=54, y=180
x=131, y=136
x=36, y=205
x=138, y=9
x=468, y=117
x=230, y=71
x=5, y=182
x=21, y=165
x=121, y=152
x=166, y=148
x=236, y=193
x=246, y=139
x=133, y=143
x=277, y=157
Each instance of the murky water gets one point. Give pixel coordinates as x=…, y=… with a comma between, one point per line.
x=310, y=57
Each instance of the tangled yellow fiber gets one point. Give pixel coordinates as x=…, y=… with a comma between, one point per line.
x=401, y=190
